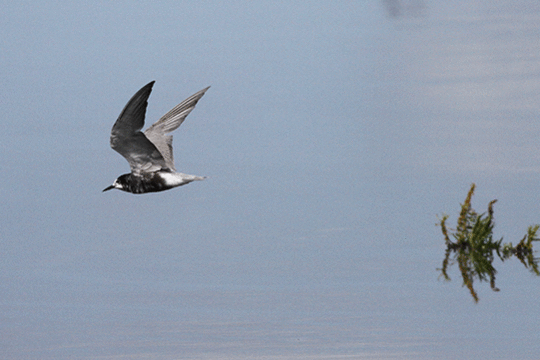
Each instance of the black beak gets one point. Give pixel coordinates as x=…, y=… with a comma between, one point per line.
x=108, y=188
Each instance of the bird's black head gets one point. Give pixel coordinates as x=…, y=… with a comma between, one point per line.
x=122, y=183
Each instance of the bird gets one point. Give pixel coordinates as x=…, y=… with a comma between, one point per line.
x=149, y=153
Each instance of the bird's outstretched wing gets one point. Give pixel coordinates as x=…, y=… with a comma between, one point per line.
x=127, y=139
x=169, y=122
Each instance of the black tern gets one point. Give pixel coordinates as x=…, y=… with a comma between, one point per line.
x=149, y=154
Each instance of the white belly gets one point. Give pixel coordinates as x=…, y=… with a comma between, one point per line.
x=177, y=179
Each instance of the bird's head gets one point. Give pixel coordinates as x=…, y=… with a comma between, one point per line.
x=120, y=183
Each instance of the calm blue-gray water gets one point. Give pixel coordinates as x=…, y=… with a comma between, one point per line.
x=333, y=135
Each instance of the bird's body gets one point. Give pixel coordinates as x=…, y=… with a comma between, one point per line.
x=150, y=153
x=153, y=181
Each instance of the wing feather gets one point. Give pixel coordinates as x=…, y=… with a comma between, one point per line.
x=127, y=139
x=157, y=133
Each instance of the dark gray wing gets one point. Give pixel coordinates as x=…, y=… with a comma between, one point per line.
x=129, y=141
x=169, y=122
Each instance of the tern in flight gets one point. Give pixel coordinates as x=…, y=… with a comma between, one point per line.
x=149, y=154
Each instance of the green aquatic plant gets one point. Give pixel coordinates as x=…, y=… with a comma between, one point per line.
x=471, y=245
